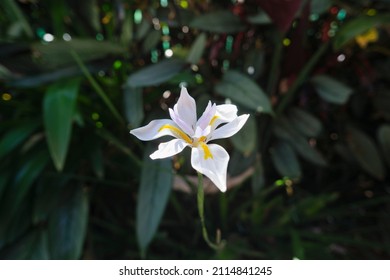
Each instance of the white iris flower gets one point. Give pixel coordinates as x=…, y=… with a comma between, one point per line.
x=217, y=122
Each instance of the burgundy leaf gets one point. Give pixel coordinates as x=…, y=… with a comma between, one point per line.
x=282, y=12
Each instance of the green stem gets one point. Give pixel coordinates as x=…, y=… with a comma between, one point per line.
x=97, y=87
x=220, y=244
x=275, y=64
x=301, y=78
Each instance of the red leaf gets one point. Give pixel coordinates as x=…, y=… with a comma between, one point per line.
x=282, y=12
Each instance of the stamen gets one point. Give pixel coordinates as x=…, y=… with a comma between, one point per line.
x=207, y=153
x=177, y=131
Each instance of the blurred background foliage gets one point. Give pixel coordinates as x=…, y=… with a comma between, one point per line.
x=308, y=173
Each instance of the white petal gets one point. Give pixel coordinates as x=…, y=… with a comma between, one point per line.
x=214, y=167
x=207, y=116
x=184, y=126
x=159, y=128
x=230, y=128
x=185, y=109
x=227, y=112
x=169, y=149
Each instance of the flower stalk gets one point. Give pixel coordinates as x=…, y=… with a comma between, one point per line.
x=219, y=244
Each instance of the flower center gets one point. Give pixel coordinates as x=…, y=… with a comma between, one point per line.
x=195, y=143
x=202, y=143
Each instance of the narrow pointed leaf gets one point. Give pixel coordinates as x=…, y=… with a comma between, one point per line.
x=384, y=140
x=156, y=74
x=31, y=246
x=285, y=160
x=304, y=122
x=197, y=49
x=245, y=139
x=151, y=40
x=58, y=110
x=59, y=53
x=155, y=187
x=358, y=26
x=283, y=130
x=244, y=91
x=67, y=225
x=331, y=90
x=218, y=22
x=16, y=136
x=21, y=183
x=134, y=107
x=365, y=152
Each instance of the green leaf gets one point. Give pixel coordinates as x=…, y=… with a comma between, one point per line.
x=254, y=63
x=258, y=177
x=96, y=157
x=5, y=74
x=297, y=245
x=358, y=26
x=331, y=90
x=244, y=91
x=134, y=107
x=384, y=140
x=46, y=196
x=26, y=175
x=3, y=183
x=365, y=152
x=143, y=29
x=245, y=139
x=40, y=249
x=320, y=6
x=218, y=22
x=285, y=160
x=32, y=246
x=127, y=28
x=260, y=18
x=48, y=77
x=59, y=53
x=58, y=10
x=67, y=225
x=99, y=90
x=105, y=134
x=16, y=15
x=197, y=49
x=156, y=74
x=151, y=40
x=304, y=122
x=155, y=187
x=283, y=130
x=16, y=136
x=58, y=110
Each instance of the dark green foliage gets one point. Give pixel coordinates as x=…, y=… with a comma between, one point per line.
x=309, y=171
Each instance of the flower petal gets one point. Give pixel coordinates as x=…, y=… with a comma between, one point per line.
x=226, y=112
x=185, y=127
x=207, y=116
x=230, y=128
x=185, y=110
x=159, y=128
x=169, y=149
x=212, y=161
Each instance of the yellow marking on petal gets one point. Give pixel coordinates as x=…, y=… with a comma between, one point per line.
x=202, y=139
x=207, y=153
x=213, y=120
x=176, y=131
